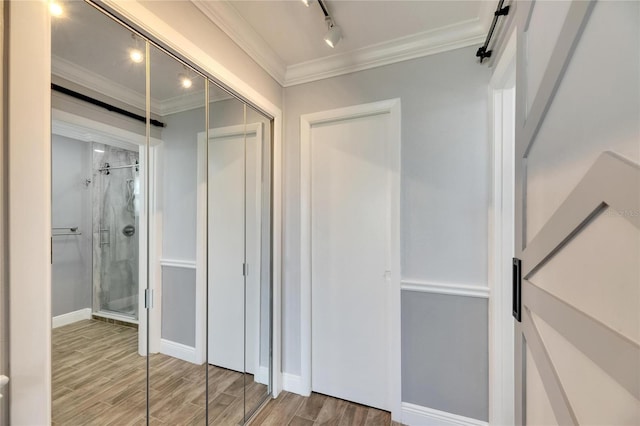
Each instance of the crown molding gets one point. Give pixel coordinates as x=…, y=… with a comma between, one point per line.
x=229, y=20
x=89, y=79
x=486, y=13
x=82, y=76
x=186, y=102
x=181, y=103
x=467, y=33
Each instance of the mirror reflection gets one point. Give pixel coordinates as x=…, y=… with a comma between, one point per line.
x=98, y=271
x=177, y=371
x=239, y=240
x=161, y=235
x=260, y=241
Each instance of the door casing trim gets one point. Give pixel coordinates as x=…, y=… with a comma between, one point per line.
x=391, y=107
x=500, y=242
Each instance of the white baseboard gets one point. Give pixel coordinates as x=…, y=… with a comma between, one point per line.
x=293, y=383
x=416, y=415
x=178, y=350
x=71, y=317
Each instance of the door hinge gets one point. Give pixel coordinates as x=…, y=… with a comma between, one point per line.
x=245, y=269
x=148, y=298
x=516, y=289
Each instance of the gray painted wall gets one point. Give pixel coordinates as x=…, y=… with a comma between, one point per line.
x=445, y=353
x=178, y=207
x=444, y=194
x=179, y=166
x=71, y=270
x=179, y=183
x=179, y=305
x=179, y=202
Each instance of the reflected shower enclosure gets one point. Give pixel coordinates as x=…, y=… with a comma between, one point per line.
x=116, y=218
x=95, y=240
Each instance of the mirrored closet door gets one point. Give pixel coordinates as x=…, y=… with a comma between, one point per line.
x=239, y=284
x=177, y=319
x=99, y=370
x=161, y=233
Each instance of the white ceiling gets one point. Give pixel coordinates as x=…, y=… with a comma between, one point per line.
x=283, y=36
x=286, y=38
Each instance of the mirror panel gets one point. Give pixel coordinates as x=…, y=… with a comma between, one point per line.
x=239, y=173
x=226, y=255
x=98, y=226
x=258, y=243
x=177, y=372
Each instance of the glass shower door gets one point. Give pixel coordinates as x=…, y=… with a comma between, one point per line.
x=116, y=224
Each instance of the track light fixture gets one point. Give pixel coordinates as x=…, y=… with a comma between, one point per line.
x=334, y=34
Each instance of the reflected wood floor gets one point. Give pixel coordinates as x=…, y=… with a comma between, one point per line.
x=99, y=379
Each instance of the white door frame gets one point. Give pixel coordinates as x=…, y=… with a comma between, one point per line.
x=391, y=107
x=202, y=229
x=84, y=129
x=501, y=240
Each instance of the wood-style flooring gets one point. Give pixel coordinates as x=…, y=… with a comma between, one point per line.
x=99, y=379
x=295, y=410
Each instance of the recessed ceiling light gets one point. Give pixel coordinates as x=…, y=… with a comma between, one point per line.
x=55, y=9
x=136, y=56
x=307, y=2
x=185, y=81
x=99, y=150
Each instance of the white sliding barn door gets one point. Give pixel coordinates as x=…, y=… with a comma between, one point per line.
x=578, y=213
x=232, y=307
x=353, y=254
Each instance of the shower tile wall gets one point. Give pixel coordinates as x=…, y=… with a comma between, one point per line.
x=115, y=251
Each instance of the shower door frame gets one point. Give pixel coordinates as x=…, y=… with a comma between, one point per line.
x=80, y=128
x=98, y=303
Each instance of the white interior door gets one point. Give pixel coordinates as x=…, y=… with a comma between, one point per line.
x=351, y=197
x=577, y=346
x=228, y=202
